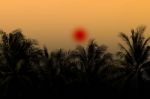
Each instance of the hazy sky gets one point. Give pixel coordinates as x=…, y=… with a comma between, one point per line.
x=51, y=21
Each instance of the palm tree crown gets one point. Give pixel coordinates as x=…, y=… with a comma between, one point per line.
x=136, y=54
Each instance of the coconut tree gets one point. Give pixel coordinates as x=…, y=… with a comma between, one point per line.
x=134, y=56
x=53, y=69
x=92, y=60
x=19, y=56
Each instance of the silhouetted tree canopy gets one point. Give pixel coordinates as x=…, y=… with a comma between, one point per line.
x=27, y=70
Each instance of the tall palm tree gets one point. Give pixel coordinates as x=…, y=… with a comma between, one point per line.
x=134, y=55
x=19, y=56
x=92, y=61
x=55, y=65
x=93, y=57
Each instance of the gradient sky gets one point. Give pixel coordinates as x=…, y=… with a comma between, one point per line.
x=51, y=22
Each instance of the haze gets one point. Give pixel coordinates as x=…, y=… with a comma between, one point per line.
x=51, y=22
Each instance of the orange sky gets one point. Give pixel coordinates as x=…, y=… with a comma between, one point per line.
x=51, y=21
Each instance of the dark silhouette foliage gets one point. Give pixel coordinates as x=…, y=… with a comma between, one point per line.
x=28, y=71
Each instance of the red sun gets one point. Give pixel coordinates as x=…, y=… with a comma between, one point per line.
x=80, y=35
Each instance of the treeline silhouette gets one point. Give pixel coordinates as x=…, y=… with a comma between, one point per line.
x=28, y=71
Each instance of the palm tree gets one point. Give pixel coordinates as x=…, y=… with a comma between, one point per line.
x=19, y=58
x=55, y=65
x=134, y=56
x=92, y=60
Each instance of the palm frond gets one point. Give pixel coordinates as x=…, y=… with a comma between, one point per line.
x=126, y=39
